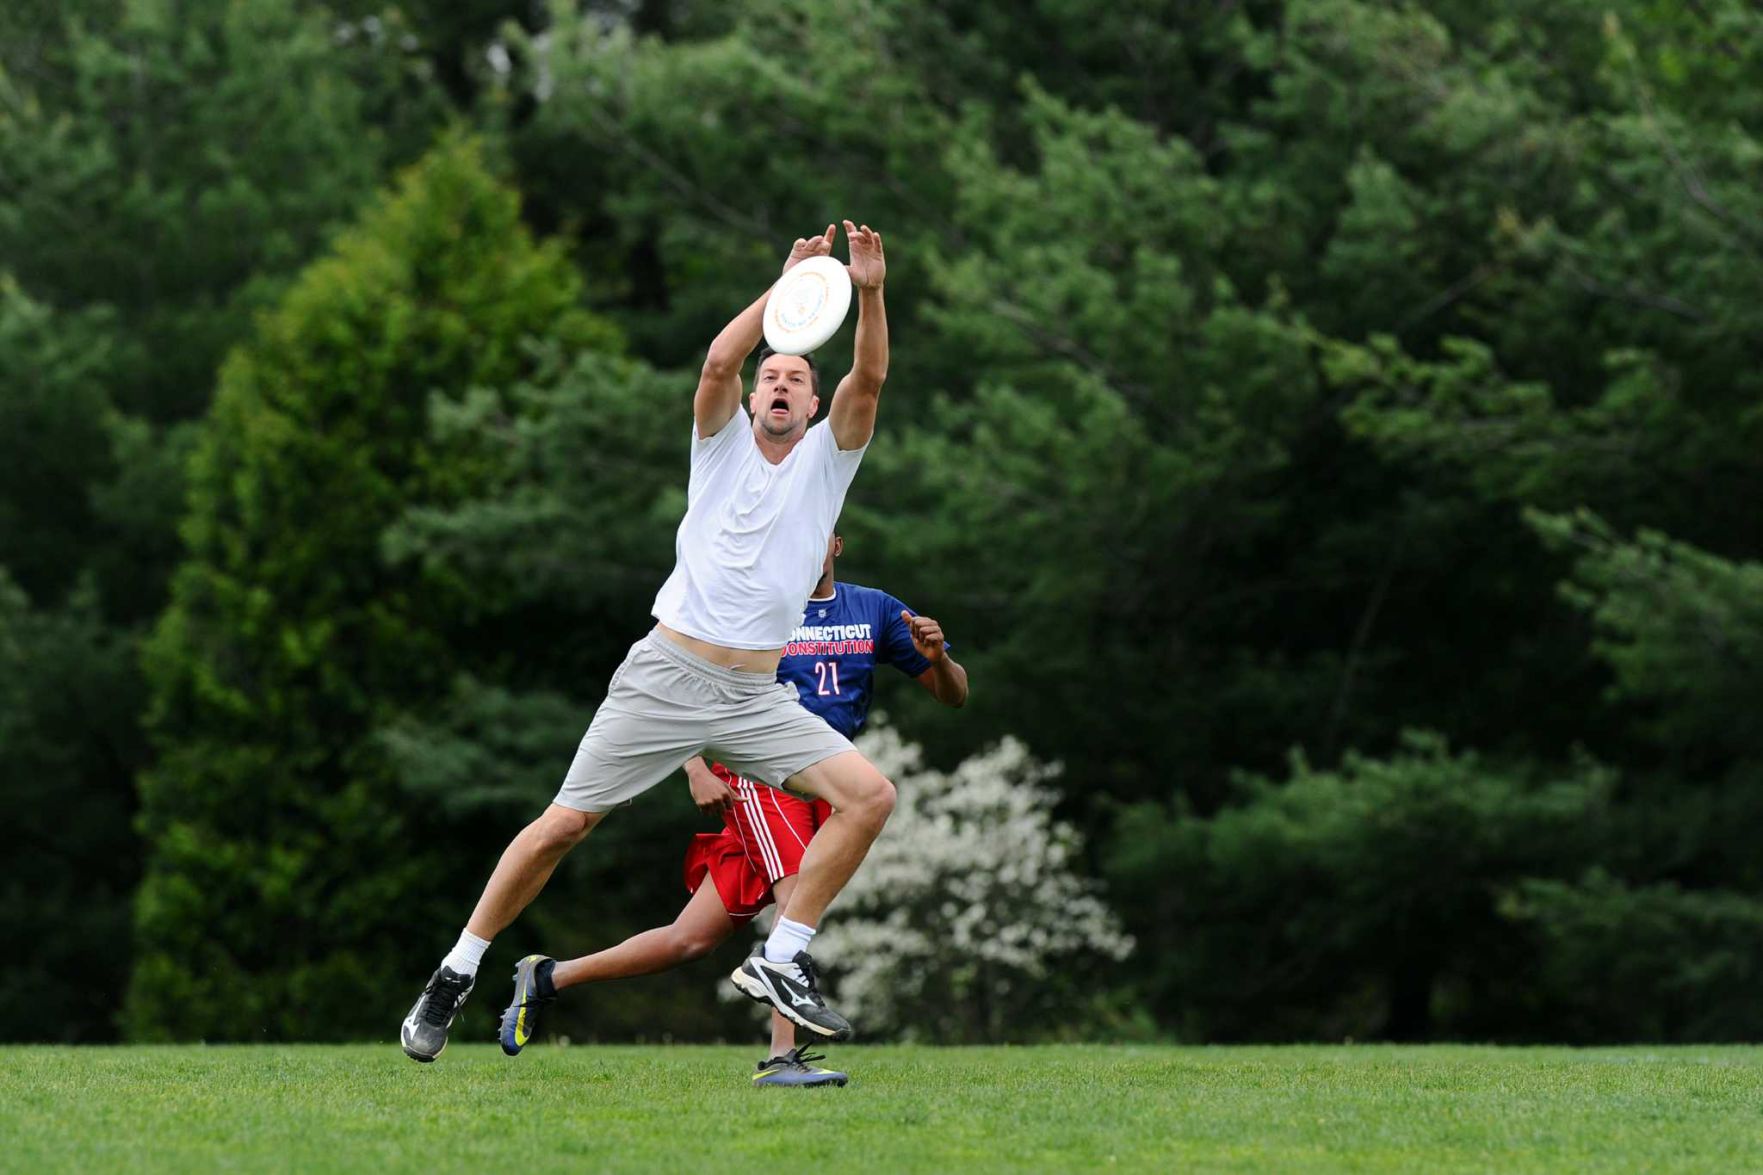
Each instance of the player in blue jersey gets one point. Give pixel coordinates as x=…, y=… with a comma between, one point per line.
x=846, y=631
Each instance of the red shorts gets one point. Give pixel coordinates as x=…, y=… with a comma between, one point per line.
x=761, y=843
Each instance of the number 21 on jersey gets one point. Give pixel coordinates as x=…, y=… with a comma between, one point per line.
x=826, y=674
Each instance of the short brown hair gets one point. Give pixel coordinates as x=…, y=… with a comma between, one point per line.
x=766, y=352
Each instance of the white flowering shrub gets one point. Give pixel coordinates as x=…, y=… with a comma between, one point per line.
x=969, y=920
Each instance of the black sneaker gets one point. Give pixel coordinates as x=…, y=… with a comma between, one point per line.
x=425, y=1029
x=791, y=989
x=532, y=993
x=797, y=1067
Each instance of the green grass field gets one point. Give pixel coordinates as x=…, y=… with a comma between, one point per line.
x=688, y=1109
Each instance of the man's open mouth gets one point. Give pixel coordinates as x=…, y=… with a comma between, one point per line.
x=781, y=405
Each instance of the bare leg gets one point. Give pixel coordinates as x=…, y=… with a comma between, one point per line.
x=862, y=799
x=526, y=866
x=783, y=1033
x=699, y=929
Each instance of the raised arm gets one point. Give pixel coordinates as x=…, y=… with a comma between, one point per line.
x=719, y=383
x=859, y=393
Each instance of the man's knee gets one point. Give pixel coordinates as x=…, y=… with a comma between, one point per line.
x=560, y=829
x=852, y=785
x=872, y=799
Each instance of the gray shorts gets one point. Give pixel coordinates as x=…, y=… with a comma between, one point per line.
x=665, y=704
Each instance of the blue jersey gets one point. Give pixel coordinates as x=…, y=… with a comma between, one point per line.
x=831, y=658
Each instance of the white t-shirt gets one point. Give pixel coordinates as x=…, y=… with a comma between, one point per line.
x=753, y=541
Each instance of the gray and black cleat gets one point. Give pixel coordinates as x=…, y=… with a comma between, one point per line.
x=792, y=989
x=425, y=1029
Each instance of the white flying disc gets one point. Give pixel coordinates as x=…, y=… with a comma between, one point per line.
x=807, y=305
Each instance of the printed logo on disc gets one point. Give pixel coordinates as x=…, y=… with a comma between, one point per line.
x=802, y=301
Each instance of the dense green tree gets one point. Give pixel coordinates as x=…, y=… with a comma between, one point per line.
x=1613, y=373
x=1360, y=902
x=1622, y=961
x=54, y=440
x=167, y=167
x=193, y=158
x=1667, y=924
x=287, y=877
x=70, y=742
x=70, y=739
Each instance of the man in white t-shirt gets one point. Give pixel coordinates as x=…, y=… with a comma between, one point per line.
x=761, y=501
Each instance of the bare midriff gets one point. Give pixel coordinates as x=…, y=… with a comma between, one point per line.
x=746, y=660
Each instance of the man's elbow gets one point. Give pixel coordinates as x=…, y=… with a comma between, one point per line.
x=868, y=379
x=719, y=367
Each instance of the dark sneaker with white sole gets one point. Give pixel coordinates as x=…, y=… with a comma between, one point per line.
x=533, y=993
x=425, y=1029
x=797, y=1067
x=792, y=989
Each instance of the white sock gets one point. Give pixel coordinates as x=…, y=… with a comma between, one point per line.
x=786, y=939
x=466, y=954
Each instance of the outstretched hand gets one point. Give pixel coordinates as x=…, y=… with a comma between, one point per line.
x=927, y=636
x=806, y=247
x=868, y=267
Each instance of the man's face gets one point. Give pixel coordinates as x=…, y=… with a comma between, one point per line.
x=835, y=547
x=783, y=400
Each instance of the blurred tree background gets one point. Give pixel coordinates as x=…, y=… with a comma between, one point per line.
x=1332, y=430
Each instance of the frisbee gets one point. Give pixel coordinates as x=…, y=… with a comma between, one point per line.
x=807, y=305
